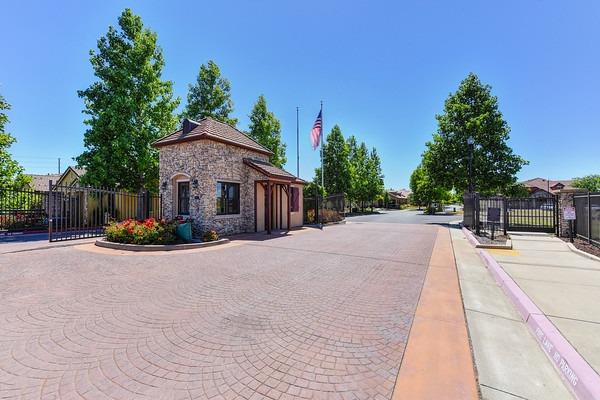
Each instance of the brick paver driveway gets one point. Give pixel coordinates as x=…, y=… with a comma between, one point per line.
x=312, y=315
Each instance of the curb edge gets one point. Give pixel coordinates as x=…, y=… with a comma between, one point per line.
x=574, y=370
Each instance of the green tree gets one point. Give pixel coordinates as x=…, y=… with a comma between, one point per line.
x=210, y=96
x=424, y=190
x=374, y=186
x=128, y=108
x=360, y=163
x=386, y=199
x=472, y=111
x=589, y=182
x=337, y=163
x=11, y=173
x=314, y=187
x=517, y=190
x=266, y=130
x=352, y=169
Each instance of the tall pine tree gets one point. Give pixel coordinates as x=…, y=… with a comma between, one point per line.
x=360, y=176
x=337, y=163
x=266, y=130
x=374, y=185
x=472, y=111
x=210, y=96
x=128, y=108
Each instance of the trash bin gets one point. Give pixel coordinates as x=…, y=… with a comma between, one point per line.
x=184, y=231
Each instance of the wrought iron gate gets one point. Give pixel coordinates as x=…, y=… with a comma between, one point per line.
x=528, y=214
x=78, y=212
x=532, y=214
x=23, y=210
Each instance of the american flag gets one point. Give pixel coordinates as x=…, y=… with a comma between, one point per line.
x=315, y=133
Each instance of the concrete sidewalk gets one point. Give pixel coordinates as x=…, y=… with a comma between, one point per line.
x=509, y=362
x=563, y=284
x=39, y=243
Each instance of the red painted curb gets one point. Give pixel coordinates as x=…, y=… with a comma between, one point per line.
x=578, y=375
x=470, y=237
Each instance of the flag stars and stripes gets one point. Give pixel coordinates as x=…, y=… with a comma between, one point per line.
x=317, y=129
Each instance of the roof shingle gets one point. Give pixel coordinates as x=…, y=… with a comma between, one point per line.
x=270, y=170
x=208, y=128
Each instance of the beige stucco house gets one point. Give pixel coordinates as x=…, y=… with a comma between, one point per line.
x=221, y=179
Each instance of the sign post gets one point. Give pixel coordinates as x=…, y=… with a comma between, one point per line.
x=570, y=215
x=493, y=217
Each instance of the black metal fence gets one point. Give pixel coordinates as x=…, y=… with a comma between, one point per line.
x=23, y=210
x=533, y=214
x=332, y=210
x=78, y=212
x=529, y=214
x=587, y=211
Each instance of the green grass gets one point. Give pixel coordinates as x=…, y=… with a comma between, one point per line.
x=531, y=217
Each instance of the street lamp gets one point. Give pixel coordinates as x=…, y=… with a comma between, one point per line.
x=471, y=143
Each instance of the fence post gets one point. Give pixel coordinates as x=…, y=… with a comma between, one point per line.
x=147, y=204
x=50, y=210
x=476, y=206
x=558, y=214
x=589, y=218
x=505, y=219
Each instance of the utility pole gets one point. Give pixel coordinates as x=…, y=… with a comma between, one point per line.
x=59, y=165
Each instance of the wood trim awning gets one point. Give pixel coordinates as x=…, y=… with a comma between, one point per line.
x=272, y=172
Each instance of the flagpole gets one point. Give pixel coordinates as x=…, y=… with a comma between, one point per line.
x=322, y=170
x=297, y=142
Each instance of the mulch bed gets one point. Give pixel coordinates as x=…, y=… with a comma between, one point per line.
x=583, y=245
x=486, y=239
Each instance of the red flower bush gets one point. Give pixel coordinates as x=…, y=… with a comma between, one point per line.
x=148, y=231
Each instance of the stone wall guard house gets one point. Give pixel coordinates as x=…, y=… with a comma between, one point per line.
x=222, y=179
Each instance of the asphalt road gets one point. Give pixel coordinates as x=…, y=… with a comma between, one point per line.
x=406, y=217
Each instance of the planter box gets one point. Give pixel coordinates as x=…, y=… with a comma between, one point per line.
x=157, y=247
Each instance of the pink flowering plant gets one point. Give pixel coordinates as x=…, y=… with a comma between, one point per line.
x=149, y=231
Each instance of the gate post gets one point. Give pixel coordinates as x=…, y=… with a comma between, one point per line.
x=146, y=204
x=505, y=215
x=565, y=198
x=589, y=218
x=50, y=210
x=476, y=207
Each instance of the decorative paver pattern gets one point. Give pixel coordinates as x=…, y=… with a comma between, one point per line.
x=315, y=315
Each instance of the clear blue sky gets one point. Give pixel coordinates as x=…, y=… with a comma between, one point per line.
x=383, y=70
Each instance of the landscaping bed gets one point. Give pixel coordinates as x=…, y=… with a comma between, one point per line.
x=484, y=241
x=158, y=247
x=583, y=245
x=155, y=235
x=485, y=238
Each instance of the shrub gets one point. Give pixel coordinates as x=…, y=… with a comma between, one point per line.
x=148, y=231
x=310, y=216
x=331, y=216
x=210, y=236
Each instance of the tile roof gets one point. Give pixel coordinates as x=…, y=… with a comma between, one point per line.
x=208, y=128
x=270, y=170
x=541, y=183
x=41, y=182
x=399, y=194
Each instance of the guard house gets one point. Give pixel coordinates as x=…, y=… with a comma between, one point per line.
x=221, y=179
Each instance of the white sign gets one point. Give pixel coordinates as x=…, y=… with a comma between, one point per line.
x=569, y=213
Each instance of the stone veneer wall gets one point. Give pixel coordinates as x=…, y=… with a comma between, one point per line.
x=565, y=199
x=209, y=162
